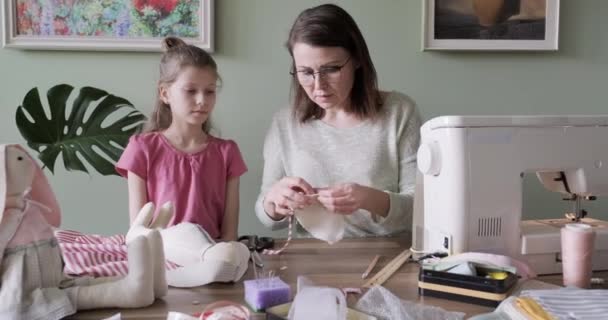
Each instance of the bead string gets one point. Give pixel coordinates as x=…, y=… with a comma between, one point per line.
x=289, y=236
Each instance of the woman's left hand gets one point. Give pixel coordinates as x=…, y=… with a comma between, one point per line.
x=344, y=198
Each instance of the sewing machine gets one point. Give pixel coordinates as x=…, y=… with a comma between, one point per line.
x=472, y=170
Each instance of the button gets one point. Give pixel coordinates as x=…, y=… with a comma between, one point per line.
x=429, y=158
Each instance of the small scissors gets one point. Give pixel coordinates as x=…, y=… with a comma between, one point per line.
x=255, y=245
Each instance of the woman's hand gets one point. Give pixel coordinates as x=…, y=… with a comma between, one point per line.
x=347, y=198
x=344, y=198
x=286, y=195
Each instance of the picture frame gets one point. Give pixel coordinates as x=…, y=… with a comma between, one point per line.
x=492, y=25
x=117, y=25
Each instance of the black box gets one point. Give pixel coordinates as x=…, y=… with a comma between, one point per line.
x=465, y=288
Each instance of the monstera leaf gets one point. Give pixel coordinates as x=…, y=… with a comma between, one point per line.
x=95, y=139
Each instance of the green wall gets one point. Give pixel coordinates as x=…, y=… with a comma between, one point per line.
x=254, y=65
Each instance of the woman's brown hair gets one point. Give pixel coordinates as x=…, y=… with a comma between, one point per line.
x=177, y=55
x=329, y=25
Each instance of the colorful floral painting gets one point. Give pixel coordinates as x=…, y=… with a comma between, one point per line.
x=108, y=18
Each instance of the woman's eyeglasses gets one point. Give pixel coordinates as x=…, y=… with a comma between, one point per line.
x=331, y=74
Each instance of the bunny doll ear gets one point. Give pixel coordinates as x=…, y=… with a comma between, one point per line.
x=3, y=238
x=43, y=193
x=2, y=179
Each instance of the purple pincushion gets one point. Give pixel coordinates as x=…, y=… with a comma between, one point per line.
x=267, y=292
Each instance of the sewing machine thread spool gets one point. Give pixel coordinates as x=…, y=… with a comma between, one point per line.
x=577, y=240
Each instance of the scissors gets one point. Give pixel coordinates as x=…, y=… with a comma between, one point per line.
x=256, y=244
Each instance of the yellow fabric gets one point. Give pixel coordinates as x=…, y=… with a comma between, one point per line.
x=532, y=309
x=497, y=275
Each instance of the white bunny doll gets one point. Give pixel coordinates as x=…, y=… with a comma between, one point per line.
x=32, y=282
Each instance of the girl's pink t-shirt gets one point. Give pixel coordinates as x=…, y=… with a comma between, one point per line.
x=195, y=183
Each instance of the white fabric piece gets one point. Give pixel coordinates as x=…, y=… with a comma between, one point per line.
x=318, y=303
x=321, y=303
x=321, y=223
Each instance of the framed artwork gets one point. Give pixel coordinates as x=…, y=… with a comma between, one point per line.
x=109, y=25
x=490, y=24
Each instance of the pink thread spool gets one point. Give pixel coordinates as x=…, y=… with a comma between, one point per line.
x=577, y=250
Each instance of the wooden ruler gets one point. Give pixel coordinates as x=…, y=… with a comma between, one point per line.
x=389, y=269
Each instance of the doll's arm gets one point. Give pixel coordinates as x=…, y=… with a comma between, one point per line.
x=43, y=194
x=15, y=202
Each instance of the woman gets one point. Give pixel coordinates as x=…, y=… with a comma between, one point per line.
x=344, y=144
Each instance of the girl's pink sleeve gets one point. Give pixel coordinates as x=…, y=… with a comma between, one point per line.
x=234, y=160
x=133, y=158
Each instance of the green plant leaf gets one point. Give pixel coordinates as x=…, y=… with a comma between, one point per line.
x=75, y=137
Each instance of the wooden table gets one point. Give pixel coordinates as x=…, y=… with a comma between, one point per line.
x=339, y=265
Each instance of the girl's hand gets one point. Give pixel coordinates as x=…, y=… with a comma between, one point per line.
x=286, y=195
x=344, y=198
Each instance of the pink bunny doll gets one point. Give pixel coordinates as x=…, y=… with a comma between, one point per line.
x=32, y=282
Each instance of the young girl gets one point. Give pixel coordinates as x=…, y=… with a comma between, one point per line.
x=176, y=158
